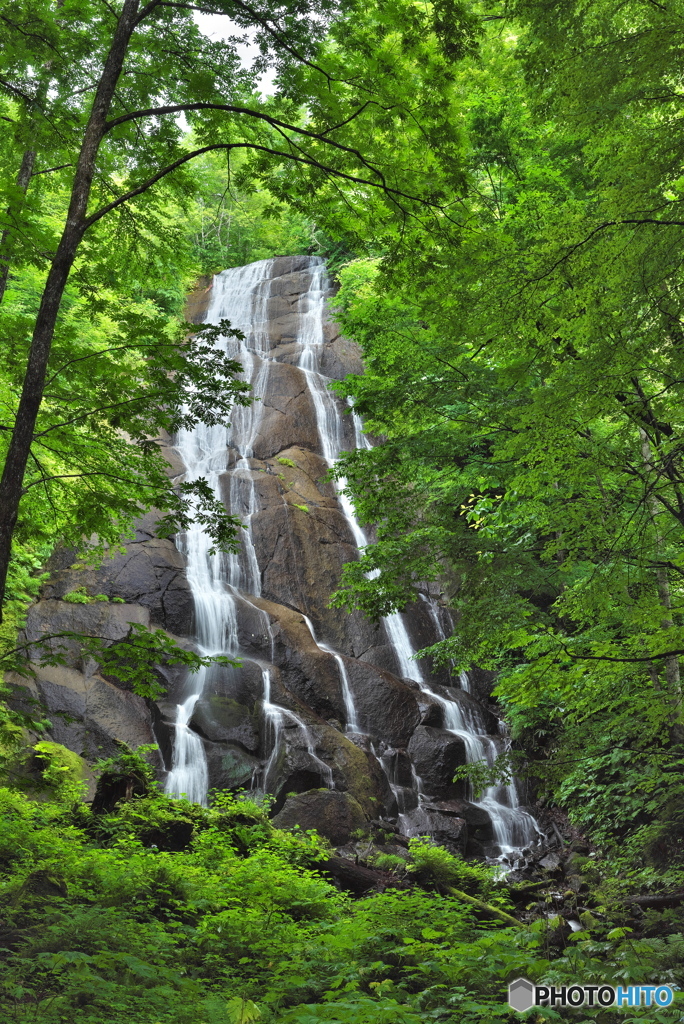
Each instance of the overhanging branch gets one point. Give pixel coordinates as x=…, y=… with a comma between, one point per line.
x=259, y=115
x=392, y=192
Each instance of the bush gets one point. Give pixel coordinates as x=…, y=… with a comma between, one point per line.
x=433, y=865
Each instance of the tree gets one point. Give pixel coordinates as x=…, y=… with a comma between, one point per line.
x=525, y=367
x=106, y=126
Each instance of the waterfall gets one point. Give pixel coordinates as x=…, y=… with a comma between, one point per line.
x=240, y=296
x=513, y=827
x=352, y=724
x=220, y=582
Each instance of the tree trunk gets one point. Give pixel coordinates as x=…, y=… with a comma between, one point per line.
x=25, y=171
x=11, y=484
x=23, y=179
x=672, y=671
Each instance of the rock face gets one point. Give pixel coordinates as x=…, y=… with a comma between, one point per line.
x=321, y=712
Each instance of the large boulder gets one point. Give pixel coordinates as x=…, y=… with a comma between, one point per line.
x=223, y=720
x=477, y=818
x=286, y=413
x=301, y=551
x=445, y=829
x=354, y=769
x=307, y=672
x=229, y=766
x=88, y=714
x=386, y=706
x=150, y=573
x=333, y=814
x=436, y=755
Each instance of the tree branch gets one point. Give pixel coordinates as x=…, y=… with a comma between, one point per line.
x=273, y=121
x=262, y=149
x=602, y=227
x=49, y=170
x=265, y=25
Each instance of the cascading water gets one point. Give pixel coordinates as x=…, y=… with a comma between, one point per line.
x=513, y=827
x=219, y=583
x=239, y=296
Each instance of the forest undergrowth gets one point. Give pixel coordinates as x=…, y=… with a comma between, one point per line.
x=160, y=911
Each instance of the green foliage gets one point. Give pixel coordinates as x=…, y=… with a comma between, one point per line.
x=63, y=771
x=134, y=659
x=433, y=865
x=388, y=862
x=231, y=224
x=126, y=763
x=78, y=596
x=23, y=584
x=482, y=774
x=101, y=922
x=287, y=462
x=523, y=362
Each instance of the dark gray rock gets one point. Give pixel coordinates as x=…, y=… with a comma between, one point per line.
x=436, y=755
x=333, y=815
x=477, y=818
x=446, y=829
x=230, y=767
x=223, y=720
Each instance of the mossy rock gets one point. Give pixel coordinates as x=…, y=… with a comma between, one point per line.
x=224, y=720
x=333, y=814
x=56, y=771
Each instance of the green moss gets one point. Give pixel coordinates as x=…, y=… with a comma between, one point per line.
x=287, y=462
x=64, y=774
x=78, y=596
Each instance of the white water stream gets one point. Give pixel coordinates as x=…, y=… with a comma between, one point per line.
x=240, y=296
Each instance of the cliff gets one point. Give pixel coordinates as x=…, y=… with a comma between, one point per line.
x=327, y=712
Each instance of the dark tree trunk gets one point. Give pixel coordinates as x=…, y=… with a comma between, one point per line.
x=23, y=179
x=11, y=484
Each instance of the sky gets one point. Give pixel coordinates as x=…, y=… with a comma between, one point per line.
x=216, y=26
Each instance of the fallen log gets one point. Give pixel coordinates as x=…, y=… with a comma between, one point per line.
x=662, y=901
x=485, y=908
x=357, y=878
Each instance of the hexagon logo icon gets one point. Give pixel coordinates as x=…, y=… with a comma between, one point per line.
x=521, y=994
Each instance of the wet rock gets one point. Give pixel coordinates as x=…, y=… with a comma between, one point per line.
x=479, y=822
x=223, y=720
x=422, y=632
x=197, y=302
x=98, y=619
x=287, y=414
x=302, y=540
x=398, y=766
x=436, y=755
x=309, y=673
x=431, y=713
x=340, y=357
x=301, y=554
x=88, y=713
x=552, y=863
x=444, y=829
x=354, y=770
x=386, y=706
x=334, y=815
x=150, y=574
x=229, y=766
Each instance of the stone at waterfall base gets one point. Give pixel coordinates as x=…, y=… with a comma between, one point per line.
x=333, y=814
